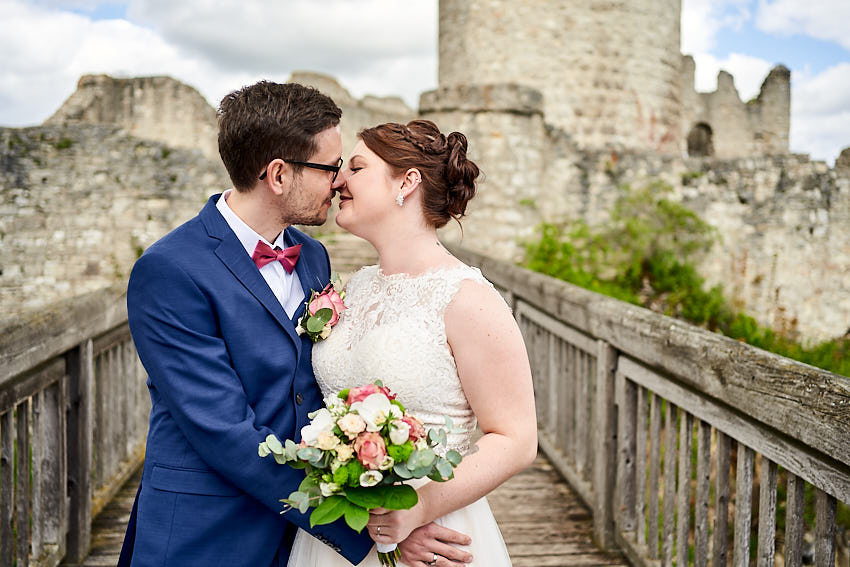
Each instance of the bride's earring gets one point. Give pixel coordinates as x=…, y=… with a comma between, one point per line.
x=399, y=198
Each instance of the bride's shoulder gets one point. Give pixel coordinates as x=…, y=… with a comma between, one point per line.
x=361, y=277
x=473, y=290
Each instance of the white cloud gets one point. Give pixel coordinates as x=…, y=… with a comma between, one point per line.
x=368, y=46
x=749, y=73
x=820, y=112
x=703, y=19
x=823, y=19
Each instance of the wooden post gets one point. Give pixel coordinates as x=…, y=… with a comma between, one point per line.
x=80, y=372
x=605, y=446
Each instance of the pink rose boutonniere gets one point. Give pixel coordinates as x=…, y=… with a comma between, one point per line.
x=322, y=312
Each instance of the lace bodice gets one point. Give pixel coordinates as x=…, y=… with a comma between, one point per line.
x=393, y=331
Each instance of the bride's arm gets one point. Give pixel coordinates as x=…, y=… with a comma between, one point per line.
x=493, y=367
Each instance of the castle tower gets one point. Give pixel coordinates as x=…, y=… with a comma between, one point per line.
x=609, y=70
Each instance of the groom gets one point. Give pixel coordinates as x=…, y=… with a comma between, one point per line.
x=212, y=308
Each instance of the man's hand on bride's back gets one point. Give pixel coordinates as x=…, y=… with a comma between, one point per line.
x=423, y=543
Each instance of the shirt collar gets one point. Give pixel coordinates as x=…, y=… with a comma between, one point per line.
x=246, y=235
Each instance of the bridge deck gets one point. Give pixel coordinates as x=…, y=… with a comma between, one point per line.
x=542, y=520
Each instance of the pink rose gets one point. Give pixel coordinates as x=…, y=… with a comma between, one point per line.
x=360, y=393
x=328, y=299
x=370, y=449
x=417, y=430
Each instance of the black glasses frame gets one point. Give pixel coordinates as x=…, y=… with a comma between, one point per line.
x=322, y=166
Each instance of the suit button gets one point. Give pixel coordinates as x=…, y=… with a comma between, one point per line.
x=299, y=399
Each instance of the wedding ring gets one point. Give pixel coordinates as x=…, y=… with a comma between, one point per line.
x=433, y=561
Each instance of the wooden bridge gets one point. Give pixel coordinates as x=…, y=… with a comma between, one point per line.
x=679, y=446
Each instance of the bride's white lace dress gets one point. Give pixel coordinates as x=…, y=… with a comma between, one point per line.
x=393, y=331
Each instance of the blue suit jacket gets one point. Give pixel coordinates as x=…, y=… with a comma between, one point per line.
x=225, y=369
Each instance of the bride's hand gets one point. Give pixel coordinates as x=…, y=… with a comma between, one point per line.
x=393, y=526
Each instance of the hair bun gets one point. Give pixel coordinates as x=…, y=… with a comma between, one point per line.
x=460, y=175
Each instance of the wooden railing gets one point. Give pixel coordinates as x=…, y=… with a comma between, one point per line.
x=667, y=430
x=73, y=419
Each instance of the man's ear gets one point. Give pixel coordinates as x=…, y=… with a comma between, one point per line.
x=278, y=176
x=411, y=181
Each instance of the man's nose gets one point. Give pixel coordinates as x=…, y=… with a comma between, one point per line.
x=339, y=182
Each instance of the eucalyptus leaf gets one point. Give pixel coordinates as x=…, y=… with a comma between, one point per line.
x=324, y=315
x=427, y=457
x=308, y=484
x=421, y=471
x=309, y=454
x=290, y=449
x=274, y=445
x=315, y=324
x=329, y=511
x=401, y=470
x=454, y=457
x=445, y=469
x=280, y=459
x=263, y=450
x=356, y=517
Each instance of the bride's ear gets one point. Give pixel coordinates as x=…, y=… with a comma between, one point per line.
x=411, y=181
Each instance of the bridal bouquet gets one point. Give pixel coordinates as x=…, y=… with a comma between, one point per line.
x=357, y=453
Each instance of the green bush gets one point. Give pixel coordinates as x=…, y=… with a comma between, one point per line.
x=646, y=255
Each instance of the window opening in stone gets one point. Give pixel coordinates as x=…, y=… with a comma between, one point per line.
x=699, y=141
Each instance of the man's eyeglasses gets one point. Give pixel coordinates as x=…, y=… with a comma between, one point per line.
x=322, y=166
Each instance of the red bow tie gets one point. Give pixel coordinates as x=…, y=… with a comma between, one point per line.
x=265, y=254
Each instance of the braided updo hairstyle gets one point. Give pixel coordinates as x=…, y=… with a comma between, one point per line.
x=448, y=177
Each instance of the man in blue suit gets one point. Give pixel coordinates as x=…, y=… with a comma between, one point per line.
x=212, y=309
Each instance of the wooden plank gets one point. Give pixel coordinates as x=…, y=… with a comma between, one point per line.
x=640, y=465
x=554, y=378
x=767, y=514
x=654, y=474
x=562, y=395
x=52, y=466
x=825, y=529
x=721, y=498
x=604, y=441
x=743, y=506
x=29, y=383
x=806, y=403
x=557, y=327
x=670, y=452
x=794, y=514
x=80, y=421
x=111, y=339
x=582, y=413
x=22, y=486
x=701, y=505
x=683, y=496
x=626, y=415
x=819, y=470
x=39, y=446
x=7, y=488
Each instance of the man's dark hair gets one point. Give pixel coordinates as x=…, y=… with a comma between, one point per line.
x=265, y=121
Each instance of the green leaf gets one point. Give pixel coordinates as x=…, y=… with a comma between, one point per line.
x=310, y=454
x=366, y=497
x=421, y=471
x=454, y=457
x=263, y=450
x=329, y=511
x=290, y=450
x=343, y=394
x=398, y=405
x=324, y=315
x=356, y=517
x=308, y=484
x=280, y=459
x=299, y=500
x=400, y=497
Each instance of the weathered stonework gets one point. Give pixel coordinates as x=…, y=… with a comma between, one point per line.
x=152, y=108
x=784, y=221
x=611, y=74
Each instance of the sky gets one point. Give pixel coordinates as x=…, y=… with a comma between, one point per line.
x=388, y=47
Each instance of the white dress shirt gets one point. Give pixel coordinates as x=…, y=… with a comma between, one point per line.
x=286, y=287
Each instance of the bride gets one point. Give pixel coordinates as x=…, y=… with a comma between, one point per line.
x=435, y=332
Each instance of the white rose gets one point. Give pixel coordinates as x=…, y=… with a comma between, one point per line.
x=375, y=410
x=351, y=424
x=370, y=478
x=399, y=432
x=328, y=488
x=322, y=420
x=327, y=441
x=344, y=452
x=326, y=331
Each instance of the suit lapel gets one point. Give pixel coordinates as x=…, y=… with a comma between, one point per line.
x=231, y=252
x=308, y=279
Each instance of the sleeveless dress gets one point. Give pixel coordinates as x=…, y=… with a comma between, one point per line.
x=393, y=331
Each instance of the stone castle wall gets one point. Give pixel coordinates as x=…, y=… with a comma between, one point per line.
x=151, y=108
x=784, y=255
x=78, y=204
x=611, y=74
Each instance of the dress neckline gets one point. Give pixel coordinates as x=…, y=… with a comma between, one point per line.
x=429, y=272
